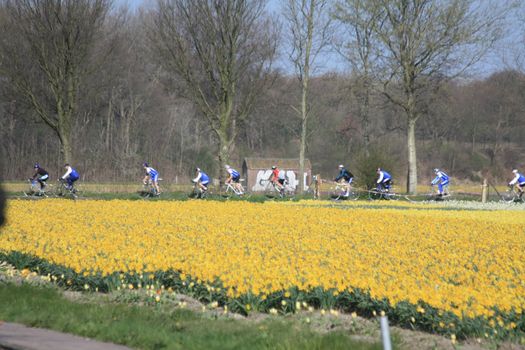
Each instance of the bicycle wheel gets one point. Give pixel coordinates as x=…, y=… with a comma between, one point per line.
x=510, y=197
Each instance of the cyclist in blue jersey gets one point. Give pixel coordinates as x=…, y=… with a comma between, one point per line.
x=518, y=181
x=235, y=178
x=153, y=175
x=384, y=180
x=202, y=180
x=70, y=176
x=442, y=180
x=346, y=177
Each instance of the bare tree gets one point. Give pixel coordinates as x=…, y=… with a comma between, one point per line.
x=221, y=50
x=46, y=54
x=358, y=46
x=422, y=41
x=310, y=32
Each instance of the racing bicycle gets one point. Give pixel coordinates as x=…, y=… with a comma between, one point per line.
x=230, y=189
x=64, y=190
x=512, y=195
x=35, y=191
x=343, y=191
x=198, y=193
x=382, y=192
x=148, y=190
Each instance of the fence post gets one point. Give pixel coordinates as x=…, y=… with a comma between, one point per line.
x=385, y=333
x=317, y=185
x=484, y=191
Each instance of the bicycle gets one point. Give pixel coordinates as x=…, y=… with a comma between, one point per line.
x=35, y=190
x=434, y=195
x=343, y=191
x=512, y=195
x=231, y=189
x=148, y=190
x=64, y=190
x=198, y=192
x=272, y=186
x=382, y=192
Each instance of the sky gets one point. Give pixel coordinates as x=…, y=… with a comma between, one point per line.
x=501, y=59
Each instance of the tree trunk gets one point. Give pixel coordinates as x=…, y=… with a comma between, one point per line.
x=224, y=154
x=412, y=159
x=304, y=123
x=302, y=152
x=365, y=116
x=66, y=150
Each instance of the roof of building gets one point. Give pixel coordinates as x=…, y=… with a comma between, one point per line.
x=284, y=163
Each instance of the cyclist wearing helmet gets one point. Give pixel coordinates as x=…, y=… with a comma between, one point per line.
x=70, y=176
x=278, y=177
x=519, y=181
x=40, y=175
x=151, y=175
x=345, y=177
x=234, y=177
x=384, y=180
x=202, y=179
x=442, y=181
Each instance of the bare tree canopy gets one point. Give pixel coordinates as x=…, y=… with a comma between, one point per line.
x=421, y=41
x=46, y=55
x=221, y=50
x=309, y=26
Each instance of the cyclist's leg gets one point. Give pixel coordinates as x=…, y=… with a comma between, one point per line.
x=69, y=183
x=73, y=189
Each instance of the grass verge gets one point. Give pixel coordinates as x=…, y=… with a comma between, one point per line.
x=159, y=328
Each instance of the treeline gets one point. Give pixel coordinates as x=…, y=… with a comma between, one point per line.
x=120, y=88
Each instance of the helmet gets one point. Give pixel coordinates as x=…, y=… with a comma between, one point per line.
x=37, y=166
x=436, y=170
x=341, y=166
x=274, y=167
x=515, y=171
x=145, y=164
x=378, y=169
x=197, y=169
x=227, y=166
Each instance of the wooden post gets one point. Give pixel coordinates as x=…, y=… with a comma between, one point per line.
x=484, y=191
x=317, y=186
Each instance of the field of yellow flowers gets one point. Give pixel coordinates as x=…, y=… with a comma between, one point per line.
x=453, y=272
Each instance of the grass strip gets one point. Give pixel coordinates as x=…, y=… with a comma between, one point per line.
x=157, y=327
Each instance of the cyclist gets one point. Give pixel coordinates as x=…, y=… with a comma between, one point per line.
x=202, y=180
x=442, y=181
x=151, y=175
x=40, y=175
x=235, y=178
x=384, y=180
x=346, y=178
x=278, y=177
x=70, y=176
x=519, y=181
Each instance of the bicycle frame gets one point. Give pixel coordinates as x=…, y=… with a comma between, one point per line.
x=382, y=193
x=198, y=192
x=230, y=187
x=272, y=186
x=63, y=190
x=149, y=190
x=343, y=191
x=35, y=190
x=512, y=195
